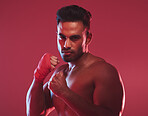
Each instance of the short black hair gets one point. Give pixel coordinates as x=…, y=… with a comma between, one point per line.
x=74, y=13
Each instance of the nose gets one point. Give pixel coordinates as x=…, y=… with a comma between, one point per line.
x=67, y=43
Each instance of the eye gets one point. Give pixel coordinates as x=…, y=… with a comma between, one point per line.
x=75, y=38
x=61, y=37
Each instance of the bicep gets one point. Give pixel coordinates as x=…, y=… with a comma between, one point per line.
x=108, y=91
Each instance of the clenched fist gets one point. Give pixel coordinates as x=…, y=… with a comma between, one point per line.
x=58, y=84
x=46, y=65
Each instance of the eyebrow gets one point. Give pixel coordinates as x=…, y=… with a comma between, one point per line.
x=78, y=36
x=61, y=35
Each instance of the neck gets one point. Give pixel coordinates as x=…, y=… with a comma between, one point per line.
x=79, y=62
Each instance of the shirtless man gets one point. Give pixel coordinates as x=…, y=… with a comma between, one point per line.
x=86, y=86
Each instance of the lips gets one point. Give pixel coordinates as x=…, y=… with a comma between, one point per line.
x=66, y=52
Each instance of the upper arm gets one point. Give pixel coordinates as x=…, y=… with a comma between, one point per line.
x=108, y=91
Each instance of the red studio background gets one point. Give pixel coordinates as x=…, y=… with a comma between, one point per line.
x=28, y=30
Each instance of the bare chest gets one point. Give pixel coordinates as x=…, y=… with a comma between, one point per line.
x=79, y=81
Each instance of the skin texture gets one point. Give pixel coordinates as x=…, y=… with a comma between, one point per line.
x=71, y=38
x=86, y=86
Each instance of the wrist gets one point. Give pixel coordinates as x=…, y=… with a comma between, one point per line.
x=65, y=93
x=39, y=76
x=38, y=80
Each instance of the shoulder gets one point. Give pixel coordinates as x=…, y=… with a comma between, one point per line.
x=103, y=70
x=108, y=86
x=104, y=67
x=107, y=77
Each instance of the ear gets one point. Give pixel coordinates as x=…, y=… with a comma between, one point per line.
x=88, y=38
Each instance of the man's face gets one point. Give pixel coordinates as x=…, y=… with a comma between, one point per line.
x=71, y=40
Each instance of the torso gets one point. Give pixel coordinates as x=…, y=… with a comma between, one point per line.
x=80, y=81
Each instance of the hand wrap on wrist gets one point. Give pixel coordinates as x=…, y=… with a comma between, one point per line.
x=43, y=68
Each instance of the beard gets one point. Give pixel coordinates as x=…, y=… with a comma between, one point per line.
x=73, y=56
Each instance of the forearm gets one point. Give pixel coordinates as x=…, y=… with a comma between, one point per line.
x=35, y=101
x=38, y=97
x=83, y=107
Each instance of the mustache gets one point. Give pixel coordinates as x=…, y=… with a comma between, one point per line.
x=67, y=50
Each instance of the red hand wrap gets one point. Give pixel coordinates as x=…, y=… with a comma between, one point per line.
x=43, y=68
